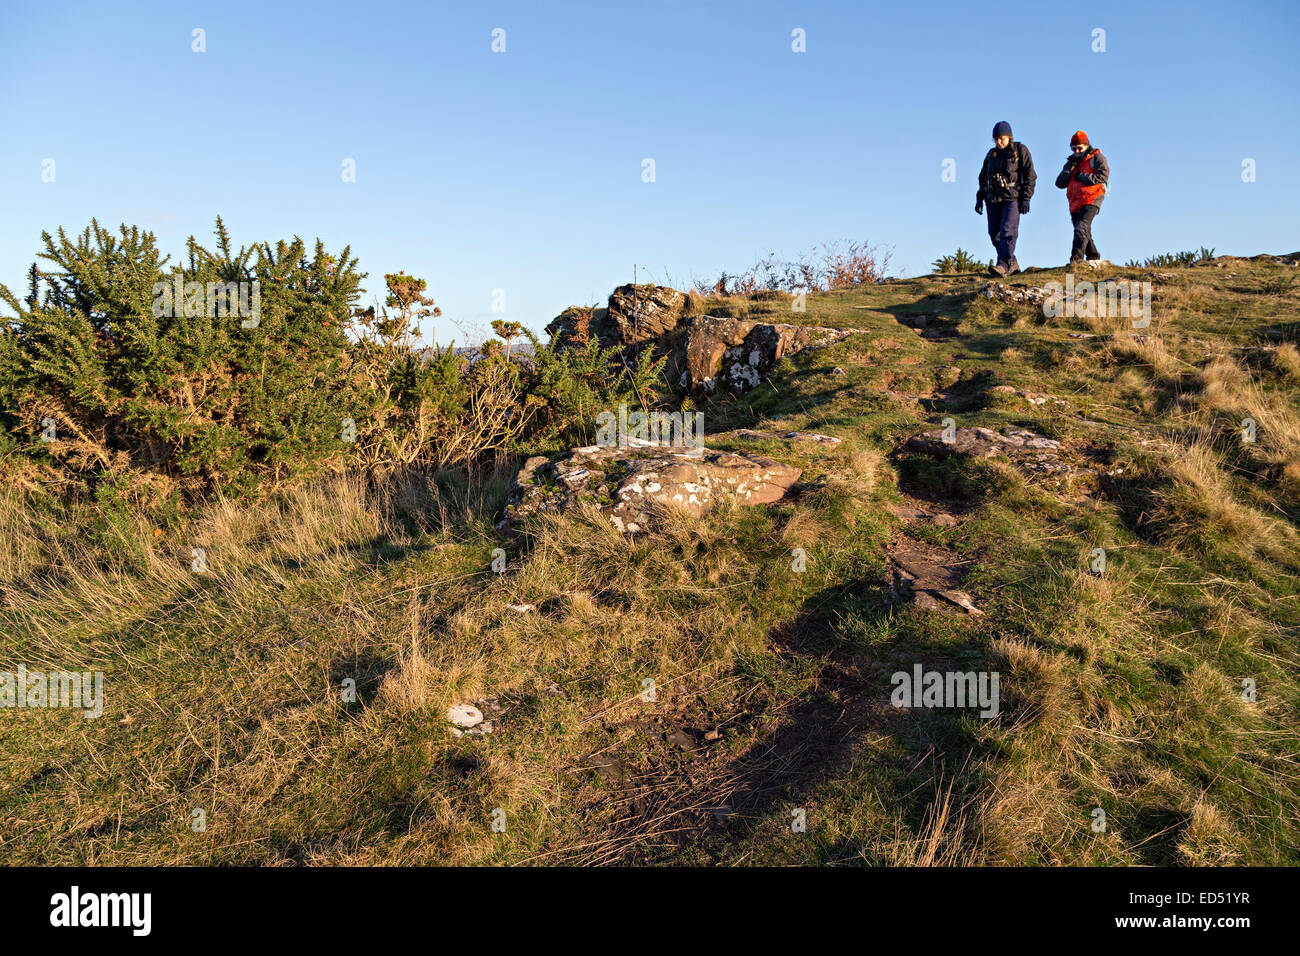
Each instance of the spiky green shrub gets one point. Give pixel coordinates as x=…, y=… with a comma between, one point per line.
x=105, y=370
x=120, y=371
x=573, y=385
x=1173, y=260
x=960, y=261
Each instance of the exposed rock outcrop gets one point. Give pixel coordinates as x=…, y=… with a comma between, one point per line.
x=738, y=354
x=639, y=313
x=627, y=483
x=633, y=315
x=718, y=352
x=1033, y=398
x=1017, y=295
x=929, y=577
x=787, y=436
x=576, y=326
x=1028, y=450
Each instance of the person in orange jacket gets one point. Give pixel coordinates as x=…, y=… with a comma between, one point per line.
x=1084, y=178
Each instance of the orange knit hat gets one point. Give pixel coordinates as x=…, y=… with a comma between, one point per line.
x=1080, y=138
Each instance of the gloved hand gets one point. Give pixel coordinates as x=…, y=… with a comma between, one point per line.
x=979, y=207
x=1073, y=159
x=1024, y=207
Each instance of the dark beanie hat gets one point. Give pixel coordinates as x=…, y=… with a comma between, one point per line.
x=1002, y=129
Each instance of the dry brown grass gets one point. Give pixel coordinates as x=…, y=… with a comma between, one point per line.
x=1218, y=400
x=1149, y=351
x=1135, y=391
x=943, y=840
x=1209, y=837
x=1197, y=507
x=1118, y=690
x=1286, y=361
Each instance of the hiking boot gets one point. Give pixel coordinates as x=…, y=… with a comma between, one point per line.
x=1014, y=267
x=997, y=269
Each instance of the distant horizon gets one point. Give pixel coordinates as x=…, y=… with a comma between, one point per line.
x=480, y=326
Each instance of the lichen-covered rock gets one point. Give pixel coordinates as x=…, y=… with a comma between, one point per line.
x=628, y=483
x=717, y=351
x=634, y=314
x=1018, y=295
x=1029, y=450
x=738, y=354
x=982, y=442
x=1033, y=398
x=786, y=436
x=638, y=313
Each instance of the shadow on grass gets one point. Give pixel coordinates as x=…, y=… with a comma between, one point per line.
x=706, y=806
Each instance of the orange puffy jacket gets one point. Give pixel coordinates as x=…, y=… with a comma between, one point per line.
x=1079, y=193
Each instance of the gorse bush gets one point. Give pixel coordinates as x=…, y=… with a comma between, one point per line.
x=104, y=370
x=577, y=384
x=1170, y=260
x=960, y=261
x=241, y=370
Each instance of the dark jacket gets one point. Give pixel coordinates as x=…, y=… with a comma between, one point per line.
x=1088, y=174
x=1007, y=174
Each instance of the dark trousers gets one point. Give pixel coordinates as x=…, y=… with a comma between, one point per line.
x=1083, y=244
x=1004, y=227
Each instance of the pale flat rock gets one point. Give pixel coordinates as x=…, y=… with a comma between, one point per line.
x=465, y=715
x=479, y=729
x=981, y=442
x=627, y=483
x=1028, y=450
x=787, y=436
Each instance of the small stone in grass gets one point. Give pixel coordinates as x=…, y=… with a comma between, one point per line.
x=465, y=715
x=484, y=728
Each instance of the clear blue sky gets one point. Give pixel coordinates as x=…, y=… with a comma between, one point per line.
x=522, y=170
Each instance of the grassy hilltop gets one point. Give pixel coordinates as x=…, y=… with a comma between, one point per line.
x=1121, y=691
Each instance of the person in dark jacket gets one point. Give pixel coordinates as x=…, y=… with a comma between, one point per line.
x=1007, y=181
x=1084, y=178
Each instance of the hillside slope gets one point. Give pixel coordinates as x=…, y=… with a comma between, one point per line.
x=1126, y=690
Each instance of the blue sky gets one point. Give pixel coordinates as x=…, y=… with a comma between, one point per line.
x=522, y=170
